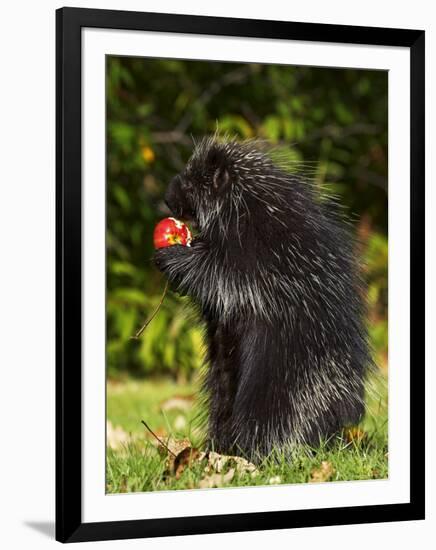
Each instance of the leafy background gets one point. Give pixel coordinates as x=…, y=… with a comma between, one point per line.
x=332, y=123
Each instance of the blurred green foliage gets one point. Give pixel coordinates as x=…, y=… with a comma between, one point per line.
x=332, y=125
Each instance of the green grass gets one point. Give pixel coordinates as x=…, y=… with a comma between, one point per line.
x=137, y=465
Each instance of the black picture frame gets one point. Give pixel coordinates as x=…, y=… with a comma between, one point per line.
x=69, y=525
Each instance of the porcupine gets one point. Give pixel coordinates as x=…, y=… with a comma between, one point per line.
x=274, y=272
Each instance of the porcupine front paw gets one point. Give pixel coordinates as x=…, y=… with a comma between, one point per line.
x=166, y=258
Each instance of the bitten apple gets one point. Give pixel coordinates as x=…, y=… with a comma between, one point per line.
x=170, y=231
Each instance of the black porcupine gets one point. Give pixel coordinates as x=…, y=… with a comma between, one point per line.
x=274, y=272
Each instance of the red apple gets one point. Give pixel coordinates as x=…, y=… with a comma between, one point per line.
x=170, y=231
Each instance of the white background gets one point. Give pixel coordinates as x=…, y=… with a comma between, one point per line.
x=27, y=271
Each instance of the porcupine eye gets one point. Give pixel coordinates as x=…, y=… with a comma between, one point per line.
x=186, y=185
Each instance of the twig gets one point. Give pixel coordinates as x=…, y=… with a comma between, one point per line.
x=158, y=438
x=150, y=319
x=171, y=136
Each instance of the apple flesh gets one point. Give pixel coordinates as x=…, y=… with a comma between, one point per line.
x=170, y=231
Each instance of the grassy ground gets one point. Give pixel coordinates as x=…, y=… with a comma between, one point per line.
x=134, y=463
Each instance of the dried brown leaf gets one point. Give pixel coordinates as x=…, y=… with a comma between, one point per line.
x=184, y=460
x=323, y=473
x=172, y=446
x=355, y=434
x=217, y=480
x=217, y=463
